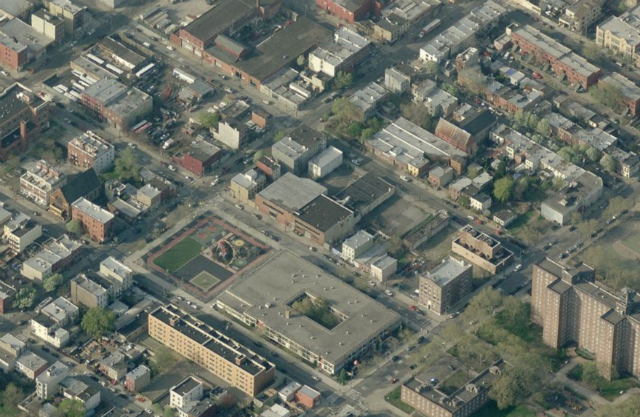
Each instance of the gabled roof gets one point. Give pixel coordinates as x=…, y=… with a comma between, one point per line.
x=81, y=185
x=451, y=133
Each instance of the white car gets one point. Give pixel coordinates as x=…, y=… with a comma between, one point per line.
x=372, y=284
x=239, y=206
x=389, y=293
x=171, y=168
x=517, y=268
x=405, y=178
x=131, y=145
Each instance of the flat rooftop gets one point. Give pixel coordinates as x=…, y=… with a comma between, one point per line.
x=222, y=15
x=211, y=339
x=19, y=36
x=345, y=44
x=323, y=213
x=93, y=210
x=267, y=291
x=282, y=48
x=292, y=192
x=186, y=385
x=447, y=271
x=363, y=192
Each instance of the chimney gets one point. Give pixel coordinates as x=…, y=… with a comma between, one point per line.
x=287, y=314
x=240, y=360
x=173, y=320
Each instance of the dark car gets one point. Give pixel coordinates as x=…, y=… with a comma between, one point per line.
x=274, y=354
x=395, y=358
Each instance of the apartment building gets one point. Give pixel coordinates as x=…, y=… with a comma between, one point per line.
x=445, y=285
x=30, y=365
x=93, y=218
x=581, y=15
x=481, y=249
x=20, y=44
x=562, y=60
x=422, y=393
x=55, y=255
x=245, y=186
x=87, y=292
x=629, y=91
x=72, y=14
x=621, y=34
x=572, y=307
x=90, y=151
x=295, y=151
x=40, y=181
x=47, y=24
x=342, y=53
x=47, y=382
x=20, y=232
x=189, y=391
x=206, y=346
x=356, y=245
x=137, y=379
x=24, y=117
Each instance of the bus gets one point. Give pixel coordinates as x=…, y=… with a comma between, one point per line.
x=431, y=26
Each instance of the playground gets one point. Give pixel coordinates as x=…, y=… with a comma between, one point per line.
x=205, y=255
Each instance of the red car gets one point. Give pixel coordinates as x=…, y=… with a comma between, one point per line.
x=413, y=308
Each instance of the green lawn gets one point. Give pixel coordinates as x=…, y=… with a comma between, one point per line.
x=180, y=254
x=491, y=410
x=394, y=399
x=611, y=389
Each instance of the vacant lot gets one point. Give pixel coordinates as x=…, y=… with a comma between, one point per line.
x=178, y=255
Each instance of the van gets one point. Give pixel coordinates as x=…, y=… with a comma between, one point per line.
x=146, y=45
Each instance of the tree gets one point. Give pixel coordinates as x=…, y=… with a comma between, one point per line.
x=418, y=114
x=367, y=134
x=209, y=120
x=543, y=128
x=72, y=408
x=608, y=163
x=591, y=375
x=431, y=67
x=343, y=79
x=593, y=154
x=168, y=412
x=616, y=205
x=484, y=303
x=301, y=60
x=25, y=297
x=464, y=201
x=126, y=166
x=74, y=227
x=52, y=282
x=343, y=377
x=610, y=95
x=344, y=110
x=396, y=245
x=257, y=156
x=593, y=53
x=11, y=396
x=472, y=79
x=354, y=130
x=279, y=135
x=558, y=183
x=501, y=171
x=503, y=189
x=450, y=88
x=98, y=321
x=522, y=185
x=157, y=409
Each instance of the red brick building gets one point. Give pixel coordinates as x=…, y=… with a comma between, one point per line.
x=350, y=10
x=26, y=116
x=628, y=89
x=561, y=59
x=269, y=167
x=7, y=295
x=96, y=221
x=199, y=159
x=307, y=396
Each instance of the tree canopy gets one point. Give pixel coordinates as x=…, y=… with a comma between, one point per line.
x=126, y=166
x=98, y=321
x=25, y=297
x=608, y=163
x=74, y=227
x=344, y=110
x=209, y=120
x=52, y=282
x=72, y=408
x=503, y=189
x=343, y=79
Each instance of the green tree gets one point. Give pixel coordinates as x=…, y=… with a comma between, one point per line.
x=279, y=135
x=343, y=377
x=317, y=310
x=558, y=183
x=209, y=120
x=98, y=321
x=74, y=227
x=464, y=201
x=610, y=95
x=593, y=154
x=593, y=53
x=522, y=186
x=431, y=67
x=126, y=166
x=450, y=88
x=354, y=130
x=52, y=282
x=543, y=128
x=591, y=375
x=344, y=110
x=25, y=297
x=157, y=409
x=485, y=303
x=587, y=227
x=616, y=205
x=343, y=79
x=418, y=114
x=503, y=189
x=11, y=397
x=72, y=408
x=367, y=134
x=501, y=171
x=168, y=412
x=257, y=156
x=301, y=60
x=532, y=122
x=608, y=163
x=396, y=245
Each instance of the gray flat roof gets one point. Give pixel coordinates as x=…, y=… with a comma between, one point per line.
x=93, y=210
x=14, y=7
x=267, y=291
x=292, y=192
x=447, y=271
x=20, y=35
x=222, y=15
